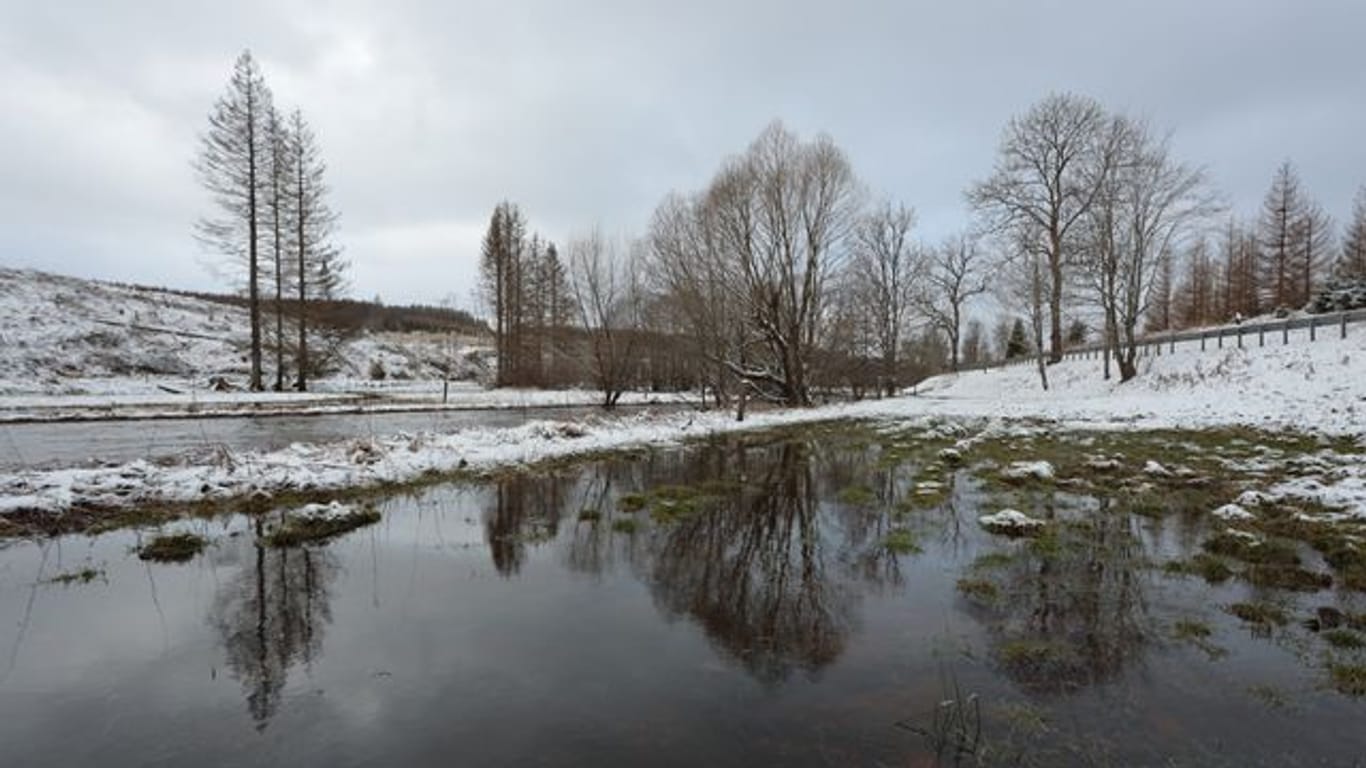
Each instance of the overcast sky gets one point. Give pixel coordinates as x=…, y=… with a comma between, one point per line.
x=584, y=113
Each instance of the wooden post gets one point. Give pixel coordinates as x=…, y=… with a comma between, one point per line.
x=1313, y=327
x=1344, y=325
x=1202, y=341
x=1261, y=335
x=1285, y=332
x=1221, y=338
x=1172, y=348
x=1240, y=337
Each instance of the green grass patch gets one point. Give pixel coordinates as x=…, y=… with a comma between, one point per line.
x=1291, y=577
x=1191, y=629
x=857, y=496
x=1208, y=567
x=589, y=515
x=625, y=525
x=1260, y=613
x=304, y=529
x=902, y=541
x=1344, y=639
x=79, y=576
x=632, y=502
x=172, y=548
x=1349, y=679
x=1250, y=549
x=980, y=590
x=992, y=561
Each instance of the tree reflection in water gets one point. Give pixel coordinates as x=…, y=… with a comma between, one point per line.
x=270, y=617
x=771, y=568
x=756, y=573
x=522, y=511
x=1074, y=612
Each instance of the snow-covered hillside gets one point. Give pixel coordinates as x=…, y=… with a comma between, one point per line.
x=66, y=335
x=1319, y=385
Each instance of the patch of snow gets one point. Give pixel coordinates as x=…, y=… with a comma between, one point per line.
x=1156, y=470
x=1023, y=470
x=1010, y=520
x=1232, y=512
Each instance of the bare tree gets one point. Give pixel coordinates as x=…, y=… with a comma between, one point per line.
x=1024, y=286
x=1352, y=263
x=1313, y=249
x=957, y=272
x=277, y=204
x=1046, y=176
x=606, y=284
x=781, y=213
x=697, y=283
x=1149, y=205
x=319, y=269
x=887, y=272
x=233, y=167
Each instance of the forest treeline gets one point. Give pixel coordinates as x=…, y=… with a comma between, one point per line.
x=783, y=277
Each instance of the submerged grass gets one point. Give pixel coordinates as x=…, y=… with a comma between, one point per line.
x=1349, y=679
x=902, y=541
x=296, y=531
x=1267, y=614
x=172, y=548
x=83, y=575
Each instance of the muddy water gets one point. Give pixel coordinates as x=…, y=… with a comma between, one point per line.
x=752, y=615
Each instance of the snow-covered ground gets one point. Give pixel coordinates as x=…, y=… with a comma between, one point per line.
x=1318, y=386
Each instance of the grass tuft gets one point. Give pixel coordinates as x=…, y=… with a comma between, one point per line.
x=172, y=548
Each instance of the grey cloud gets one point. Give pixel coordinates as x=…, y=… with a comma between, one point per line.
x=589, y=112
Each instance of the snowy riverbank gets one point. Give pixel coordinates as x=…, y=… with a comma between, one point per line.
x=1319, y=388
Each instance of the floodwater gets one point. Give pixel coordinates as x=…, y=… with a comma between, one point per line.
x=62, y=444
x=763, y=622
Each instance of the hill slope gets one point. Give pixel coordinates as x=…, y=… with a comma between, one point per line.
x=66, y=335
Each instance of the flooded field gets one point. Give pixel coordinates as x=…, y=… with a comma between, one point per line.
x=824, y=596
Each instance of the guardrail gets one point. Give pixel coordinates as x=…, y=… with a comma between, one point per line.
x=1291, y=330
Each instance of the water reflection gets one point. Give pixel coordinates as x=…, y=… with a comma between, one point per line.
x=756, y=573
x=270, y=617
x=1077, y=613
x=767, y=569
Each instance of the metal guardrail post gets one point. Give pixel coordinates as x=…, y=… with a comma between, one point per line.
x=1202, y=341
x=1240, y=337
x=1285, y=332
x=1172, y=348
x=1261, y=335
x=1221, y=338
x=1313, y=327
x=1344, y=325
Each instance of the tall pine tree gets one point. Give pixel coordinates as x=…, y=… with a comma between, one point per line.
x=233, y=166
